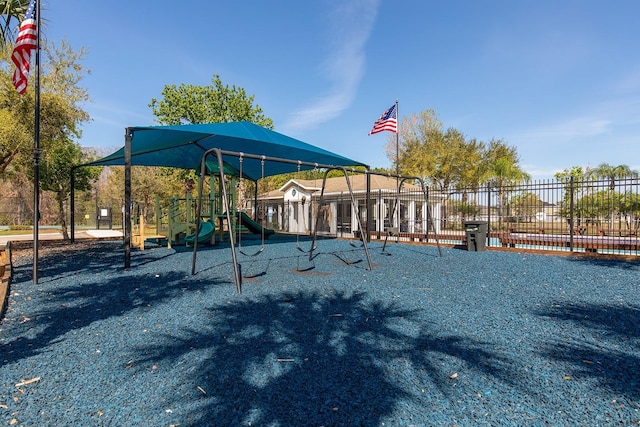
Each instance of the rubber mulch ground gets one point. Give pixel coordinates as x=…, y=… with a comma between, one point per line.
x=469, y=338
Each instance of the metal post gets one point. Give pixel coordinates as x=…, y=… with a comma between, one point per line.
x=127, y=197
x=36, y=153
x=73, y=205
x=489, y=215
x=368, y=204
x=397, y=213
x=227, y=208
x=571, y=212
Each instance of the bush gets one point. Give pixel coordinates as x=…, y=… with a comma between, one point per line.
x=20, y=227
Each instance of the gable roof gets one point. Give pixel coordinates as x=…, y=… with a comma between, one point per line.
x=358, y=183
x=183, y=147
x=339, y=185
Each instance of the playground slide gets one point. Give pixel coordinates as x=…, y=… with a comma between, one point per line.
x=253, y=226
x=204, y=233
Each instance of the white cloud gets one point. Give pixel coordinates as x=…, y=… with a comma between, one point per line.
x=351, y=22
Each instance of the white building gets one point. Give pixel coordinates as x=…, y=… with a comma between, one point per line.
x=293, y=207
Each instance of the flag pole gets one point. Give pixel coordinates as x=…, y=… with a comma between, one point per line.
x=397, y=140
x=36, y=152
x=397, y=170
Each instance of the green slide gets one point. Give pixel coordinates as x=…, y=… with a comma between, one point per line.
x=205, y=232
x=253, y=226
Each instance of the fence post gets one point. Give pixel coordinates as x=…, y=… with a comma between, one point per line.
x=571, y=213
x=380, y=214
x=488, y=215
x=72, y=199
x=368, y=204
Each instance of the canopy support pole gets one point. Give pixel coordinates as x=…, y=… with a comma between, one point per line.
x=127, y=197
x=73, y=204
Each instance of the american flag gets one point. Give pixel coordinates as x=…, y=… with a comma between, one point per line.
x=387, y=121
x=27, y=41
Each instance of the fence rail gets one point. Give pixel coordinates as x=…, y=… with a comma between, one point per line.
x=580, y=216
x=597, y=216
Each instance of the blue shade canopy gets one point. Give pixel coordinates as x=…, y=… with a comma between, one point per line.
x=183, y=147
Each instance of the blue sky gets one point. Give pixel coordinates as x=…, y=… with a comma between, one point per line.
x=558, y=79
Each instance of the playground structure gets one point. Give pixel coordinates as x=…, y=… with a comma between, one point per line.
x=189, y=146
x=242, y=157
x=176, y=219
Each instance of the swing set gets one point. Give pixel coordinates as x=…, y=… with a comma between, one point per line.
x=239, y=231
x=219, y=153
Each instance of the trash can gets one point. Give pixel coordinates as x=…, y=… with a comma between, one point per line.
x=476, y=235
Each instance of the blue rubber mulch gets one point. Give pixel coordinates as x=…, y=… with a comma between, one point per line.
x=469, y=338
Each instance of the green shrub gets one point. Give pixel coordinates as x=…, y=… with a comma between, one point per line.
x=19, y=227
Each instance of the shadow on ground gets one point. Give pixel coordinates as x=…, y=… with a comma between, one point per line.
x=604, y=261
x=601, y=345
x=71, y=307
x=313, y=358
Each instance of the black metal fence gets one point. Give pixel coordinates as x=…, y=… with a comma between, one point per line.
x=596, y=216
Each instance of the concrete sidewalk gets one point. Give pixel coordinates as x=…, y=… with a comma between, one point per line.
x=84, y=234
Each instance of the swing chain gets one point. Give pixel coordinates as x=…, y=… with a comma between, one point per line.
x=262, y=214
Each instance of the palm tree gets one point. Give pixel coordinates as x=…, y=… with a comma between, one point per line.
x=503, y=169
x=612, y=173
x=10, y=10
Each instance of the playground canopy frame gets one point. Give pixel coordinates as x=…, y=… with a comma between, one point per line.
x=183, y=146
x=188, y=146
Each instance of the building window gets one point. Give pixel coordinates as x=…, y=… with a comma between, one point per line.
x=344, y=217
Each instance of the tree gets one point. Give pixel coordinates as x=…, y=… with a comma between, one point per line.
x=55, y=173
x=612, y=173
x=61, y=99
x=61, y=114
x=630, y=210
x=575, y=172
x=218, y=103
x=146, y=183
x=503, y=170
x=525, y=207
x=15, y=137
x=414, y=133
x=503, y=165
x=573, y=179
x=427, y=151
x=10, y=11
x=448, y=158
x=474, y=169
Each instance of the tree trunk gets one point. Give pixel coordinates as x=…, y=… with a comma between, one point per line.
x=61, y=216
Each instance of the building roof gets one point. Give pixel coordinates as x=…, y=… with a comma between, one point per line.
x=339, y=185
